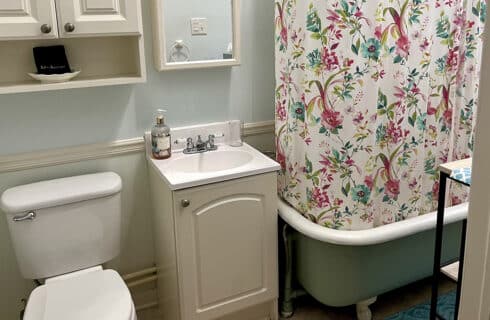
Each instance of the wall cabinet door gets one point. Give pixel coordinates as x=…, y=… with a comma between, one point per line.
x=98, y=17
x=226, y=246
x=27, y=19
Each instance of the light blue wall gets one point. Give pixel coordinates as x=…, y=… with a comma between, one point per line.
x=37, y=121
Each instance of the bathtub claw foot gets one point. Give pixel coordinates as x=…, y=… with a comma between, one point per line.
x=363, y=311
x=286, y=311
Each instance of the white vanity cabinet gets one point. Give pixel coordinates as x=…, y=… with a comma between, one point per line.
x=28, y=19
x=216, y=249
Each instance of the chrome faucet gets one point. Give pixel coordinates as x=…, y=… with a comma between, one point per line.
x=201, y=146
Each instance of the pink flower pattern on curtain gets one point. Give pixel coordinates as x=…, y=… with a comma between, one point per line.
x=371, y=97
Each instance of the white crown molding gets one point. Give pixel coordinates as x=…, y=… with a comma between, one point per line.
x=48, y=158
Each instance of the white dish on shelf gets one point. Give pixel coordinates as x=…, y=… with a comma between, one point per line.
x=54, y=78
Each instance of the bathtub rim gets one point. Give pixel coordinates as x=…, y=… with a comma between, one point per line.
x=372, y=236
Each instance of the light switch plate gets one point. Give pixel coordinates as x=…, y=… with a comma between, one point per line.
x=199, y=26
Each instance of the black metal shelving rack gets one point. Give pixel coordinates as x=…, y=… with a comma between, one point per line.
x=446, y=173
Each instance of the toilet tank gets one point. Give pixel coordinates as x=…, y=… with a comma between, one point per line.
x=65, y=224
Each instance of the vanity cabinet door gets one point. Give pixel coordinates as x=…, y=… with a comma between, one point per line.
x=226, y=246
x=98, y=17
x=27, y=19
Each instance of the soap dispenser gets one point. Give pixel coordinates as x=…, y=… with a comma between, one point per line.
x=160, y=137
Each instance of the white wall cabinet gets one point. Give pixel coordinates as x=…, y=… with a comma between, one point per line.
x=48, y=19
x=96, y=17
x=102, y=38
x=28, y=19
x=216, y=249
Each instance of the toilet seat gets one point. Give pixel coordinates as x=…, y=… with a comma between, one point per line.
x=100, y=294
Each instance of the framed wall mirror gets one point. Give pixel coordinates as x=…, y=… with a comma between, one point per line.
x=191, y=34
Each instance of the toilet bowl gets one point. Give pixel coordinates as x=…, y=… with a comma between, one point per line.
x=60, y=230
x=88, y=294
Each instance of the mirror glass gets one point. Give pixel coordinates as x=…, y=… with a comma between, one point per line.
x=198, y=32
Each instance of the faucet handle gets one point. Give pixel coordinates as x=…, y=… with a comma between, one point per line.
x=190, y=144
x=211, y=138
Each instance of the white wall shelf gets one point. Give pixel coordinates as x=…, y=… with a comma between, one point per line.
x=103, y=61
x=81, y=82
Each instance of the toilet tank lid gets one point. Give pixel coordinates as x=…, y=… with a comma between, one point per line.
x=58, y=192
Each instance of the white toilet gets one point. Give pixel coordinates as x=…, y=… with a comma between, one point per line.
x=62, y=230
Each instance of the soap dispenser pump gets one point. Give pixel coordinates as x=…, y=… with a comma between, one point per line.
x=160, y=137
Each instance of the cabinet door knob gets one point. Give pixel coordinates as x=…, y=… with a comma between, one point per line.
x=185, y=203
x=69, y=27
x=46, y=28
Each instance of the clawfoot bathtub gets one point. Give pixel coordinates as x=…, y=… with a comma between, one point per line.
x=341, y=268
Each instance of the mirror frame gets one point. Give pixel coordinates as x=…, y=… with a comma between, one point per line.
x=160, y=49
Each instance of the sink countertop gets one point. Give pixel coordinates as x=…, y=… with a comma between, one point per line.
x=254, y=163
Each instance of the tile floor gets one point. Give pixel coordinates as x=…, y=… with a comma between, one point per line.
x=387, y=304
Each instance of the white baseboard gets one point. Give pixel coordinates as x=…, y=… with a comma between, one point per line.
x=60, y=156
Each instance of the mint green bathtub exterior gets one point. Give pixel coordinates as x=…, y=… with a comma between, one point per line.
x=338, y=275
x=342, y=268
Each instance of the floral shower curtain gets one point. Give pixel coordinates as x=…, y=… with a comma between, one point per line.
x=372, y=95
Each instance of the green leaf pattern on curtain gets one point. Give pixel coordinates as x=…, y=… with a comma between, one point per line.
x=371, y=97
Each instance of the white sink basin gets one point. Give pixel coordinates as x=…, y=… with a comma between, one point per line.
x=211, y=161
x=186, y=171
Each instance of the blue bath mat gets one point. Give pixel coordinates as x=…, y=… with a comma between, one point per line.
x=445, y=307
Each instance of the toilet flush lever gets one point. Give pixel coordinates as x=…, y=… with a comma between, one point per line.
x=28, y=216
